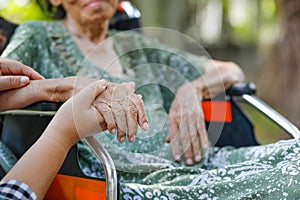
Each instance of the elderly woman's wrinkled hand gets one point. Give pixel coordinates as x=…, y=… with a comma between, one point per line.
x=186, y=125
x=122, y=110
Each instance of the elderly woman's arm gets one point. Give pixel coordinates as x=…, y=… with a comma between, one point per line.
x=217, y=78
x=186, y=119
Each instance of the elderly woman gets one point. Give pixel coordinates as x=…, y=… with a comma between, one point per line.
x=147, y=167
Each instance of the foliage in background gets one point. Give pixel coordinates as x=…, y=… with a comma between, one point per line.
x=212, y=22
x=18, y=11
x=236, y=22
x=215, y=23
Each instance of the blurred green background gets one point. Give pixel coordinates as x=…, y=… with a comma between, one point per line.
x=243, y=31
x=239, y=30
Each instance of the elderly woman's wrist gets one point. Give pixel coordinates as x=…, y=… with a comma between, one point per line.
x=199, y=87
x=55, y=90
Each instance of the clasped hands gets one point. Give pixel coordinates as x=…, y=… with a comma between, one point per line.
x=97, y=107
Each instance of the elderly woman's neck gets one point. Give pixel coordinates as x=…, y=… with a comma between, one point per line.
x=93, y=32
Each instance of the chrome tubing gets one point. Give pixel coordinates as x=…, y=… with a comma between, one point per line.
x=108, y=165
x=272, y=114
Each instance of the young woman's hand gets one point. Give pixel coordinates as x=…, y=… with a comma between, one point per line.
x=14, y=74
x=77, y=118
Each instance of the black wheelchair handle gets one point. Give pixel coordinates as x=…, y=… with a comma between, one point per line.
x=238, y=89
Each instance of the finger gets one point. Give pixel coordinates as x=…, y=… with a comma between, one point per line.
x=172, y=122
x=130, y=87
x=107, y=115
x=174, y=138
x=119, y=115
x=88, y=94
x=201, y=128
x=12, y=82
x=31, y=73
x=11, y=67
x=131, y=117
x=186, y=142
x=172, y=126
x=141, y=113
x=194, y=138
x=175, y=147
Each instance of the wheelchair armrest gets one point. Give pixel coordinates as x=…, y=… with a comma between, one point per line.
x=272, y=114
x=246, y=91
x=238, y=89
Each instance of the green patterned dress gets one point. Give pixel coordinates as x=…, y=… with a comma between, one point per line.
x=146, y=169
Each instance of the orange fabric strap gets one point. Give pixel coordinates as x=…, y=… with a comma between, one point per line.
x=217, y=111
x=69, y=187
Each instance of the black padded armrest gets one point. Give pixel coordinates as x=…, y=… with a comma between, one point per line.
x=239, y=89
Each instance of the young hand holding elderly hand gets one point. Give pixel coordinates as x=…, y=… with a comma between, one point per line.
x=116, y=108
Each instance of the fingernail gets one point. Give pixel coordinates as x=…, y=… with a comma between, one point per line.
x=24, y=79
x=177, y=157
x=145, y=125
x=122, y=139
x=197, y=158
x=104, y=82
x=189, y=161
x=132, y=138
x=113, y=131
x=167, y=139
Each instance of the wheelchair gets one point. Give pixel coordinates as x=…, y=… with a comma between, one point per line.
x=21, y=128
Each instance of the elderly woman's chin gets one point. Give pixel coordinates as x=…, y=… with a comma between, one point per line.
x=99, y=10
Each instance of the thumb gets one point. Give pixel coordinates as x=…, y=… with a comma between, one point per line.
x=88, y=94
x=12, y=82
